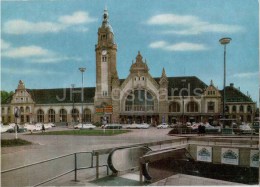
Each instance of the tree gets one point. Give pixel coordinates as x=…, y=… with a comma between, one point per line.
x=5, y=95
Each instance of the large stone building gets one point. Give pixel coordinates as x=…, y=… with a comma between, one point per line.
x=138, y=98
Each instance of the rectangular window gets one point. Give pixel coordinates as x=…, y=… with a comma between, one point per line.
x=104, y=58
x=211, y=106
x=103, y=37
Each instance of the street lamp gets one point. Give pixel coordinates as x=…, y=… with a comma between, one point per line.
x=183, y=82
x=224, y=41
x=73, y=112
x=82, y=70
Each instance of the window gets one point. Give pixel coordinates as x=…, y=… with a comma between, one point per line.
x=22, y=118
x=241, y=108
x=105, y=93
x=139, y=100
x=174, y=107
x=40, y=116
x=104, y=58
x=3, y=110
x=27, y=109
x=21, y=110
x=211, y=106
x=249, y=109
x=103, y=37
x=51, y=115
x=226, y=108
x=143, y=78
x=8, y=110
x=75, y=115
x=192, y=107
x=234, y=109
x=63, y=115
x=87, y=115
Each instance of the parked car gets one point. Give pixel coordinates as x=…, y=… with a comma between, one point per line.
x=138, y=126
x=255, y=126
x=19, y=130
x=244, y=129
x=112, y=126
x=131, y=126
x=163, y=126
x=48, y=125
x=143, y=126
x=31, y=127
x=84, y=126
x=5, y=128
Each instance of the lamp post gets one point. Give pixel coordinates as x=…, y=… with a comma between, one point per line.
x=73, y=112
x=183, y=82
x=82, y=70
x=224, y=41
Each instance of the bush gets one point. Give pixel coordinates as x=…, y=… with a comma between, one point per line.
x=14, y=142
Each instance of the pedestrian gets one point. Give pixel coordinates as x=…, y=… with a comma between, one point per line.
x=43, y=128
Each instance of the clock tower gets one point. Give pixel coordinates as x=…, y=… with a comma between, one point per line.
x=106, y=72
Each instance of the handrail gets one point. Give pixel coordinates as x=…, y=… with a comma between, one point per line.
x=48, y=160
x=8, y=170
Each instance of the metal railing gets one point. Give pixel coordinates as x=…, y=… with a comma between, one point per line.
x=51, y=169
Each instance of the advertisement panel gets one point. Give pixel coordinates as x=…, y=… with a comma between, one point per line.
x=254, y=158
x=229, y=156
x=204, y=153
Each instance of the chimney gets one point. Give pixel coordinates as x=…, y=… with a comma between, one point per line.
x=232, y=85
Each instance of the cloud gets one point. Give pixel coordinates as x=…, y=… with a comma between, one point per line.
x=19, y=26
x=79, y=17
x=190, y=25
x=27, y=71
x=26, y=51
x=158, y=44
x=25, y=27
x=34, y=54
x=246, y=75
x=56, y=59
x=183, y=46
x=4, y=45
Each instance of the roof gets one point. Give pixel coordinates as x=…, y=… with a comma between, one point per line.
x=235, y=95
x=62, y=95
x=194, y=86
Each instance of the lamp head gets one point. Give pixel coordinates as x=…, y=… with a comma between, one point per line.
x=82, y=69
x=225, y=41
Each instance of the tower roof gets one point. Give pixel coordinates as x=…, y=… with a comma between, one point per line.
x=139, y=65
x=105, y=23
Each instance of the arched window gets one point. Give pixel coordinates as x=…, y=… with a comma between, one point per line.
x=226, y=108
x=75, y=115
x=21, y=109
x=40, y=116
x=51, y=115
x=192, y=107
x=249, y=109
x=87, y=115
x=234, y=108
x=241, y=108
x=174, y=107
x=63, y=115
x=27, y=109
x=139, y=100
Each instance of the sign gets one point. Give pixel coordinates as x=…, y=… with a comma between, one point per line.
x=254, y=158
x=229, y=156
x=204, y=154
x=108, y=109
x=100, y=111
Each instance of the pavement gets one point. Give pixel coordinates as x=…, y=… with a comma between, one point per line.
x=47, y=147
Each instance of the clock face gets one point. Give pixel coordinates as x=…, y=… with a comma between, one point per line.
x=104, y=52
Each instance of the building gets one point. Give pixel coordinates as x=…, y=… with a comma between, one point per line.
x=138, y=98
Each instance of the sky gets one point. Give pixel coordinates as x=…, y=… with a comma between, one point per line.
x=44, y=42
